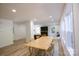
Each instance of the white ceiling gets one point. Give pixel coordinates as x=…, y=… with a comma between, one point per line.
x=29, y=11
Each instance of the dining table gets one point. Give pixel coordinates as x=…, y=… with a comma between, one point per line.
x=42, y=43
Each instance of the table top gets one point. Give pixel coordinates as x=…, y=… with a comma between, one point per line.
x=41, y=43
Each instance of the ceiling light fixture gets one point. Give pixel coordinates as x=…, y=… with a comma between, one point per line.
x=35, y=19
x=13, y=10
x=50, y=16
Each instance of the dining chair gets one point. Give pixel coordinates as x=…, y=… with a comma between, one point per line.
x=32, y=51
x=50, y=50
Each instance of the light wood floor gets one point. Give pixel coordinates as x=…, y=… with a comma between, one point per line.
x=19, y=49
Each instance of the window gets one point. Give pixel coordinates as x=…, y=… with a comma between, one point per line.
x=69, y=32
x=69, y=29
x=37, y=29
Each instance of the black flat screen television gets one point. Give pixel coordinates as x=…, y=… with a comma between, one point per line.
x=44, y=28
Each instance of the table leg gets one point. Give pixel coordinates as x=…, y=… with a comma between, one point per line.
x=30, y=50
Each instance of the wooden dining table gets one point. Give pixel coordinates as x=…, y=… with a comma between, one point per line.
x=41, y=43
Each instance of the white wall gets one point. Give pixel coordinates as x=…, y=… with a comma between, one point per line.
x=76, y=27
x=57, y=27
x=24, y=30
x=6, y=32
x=32, y=29
x=19, y=31
x=28, y=30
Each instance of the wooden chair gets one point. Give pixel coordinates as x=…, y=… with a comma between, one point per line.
x=29, y=40
x=50, y=51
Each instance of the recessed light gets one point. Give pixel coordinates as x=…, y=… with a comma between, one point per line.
x=50, y=16
x=35, y=19
x=13, y=10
